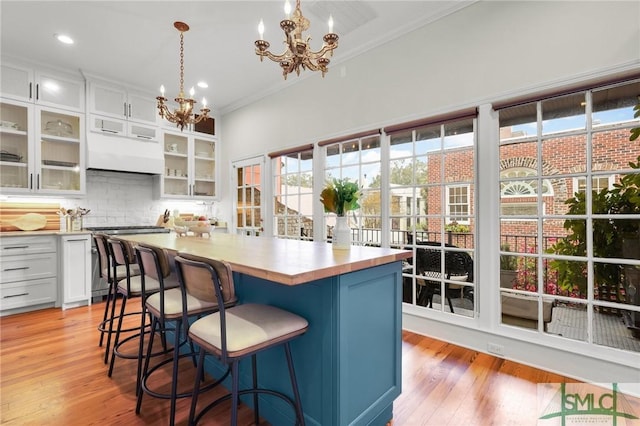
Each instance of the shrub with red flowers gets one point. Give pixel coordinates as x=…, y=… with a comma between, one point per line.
x=527, y=278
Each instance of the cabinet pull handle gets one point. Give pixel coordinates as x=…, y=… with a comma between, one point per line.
x=30, y=90
x=38, y=181
x=30, y=180
x=15, y=247
x=143, y=137
x=37, y=92
x=129, y=110
x=108, y=131
x=22, y=268
x=16, y=295
x=77, y=239
x=124, y=106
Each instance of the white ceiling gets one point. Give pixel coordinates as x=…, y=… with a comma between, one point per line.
x=134, y=42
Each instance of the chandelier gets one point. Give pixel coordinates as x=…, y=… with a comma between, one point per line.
x=298, y=53
x=183, y=115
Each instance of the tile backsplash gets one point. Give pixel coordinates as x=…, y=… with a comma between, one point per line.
x=124, y=199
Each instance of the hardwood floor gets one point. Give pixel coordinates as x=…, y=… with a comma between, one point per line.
x=51, y=372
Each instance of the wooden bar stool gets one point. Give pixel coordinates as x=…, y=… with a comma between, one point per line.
x=168, y=309
x=235, y=333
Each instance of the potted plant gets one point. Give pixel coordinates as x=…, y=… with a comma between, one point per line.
x=508, y=267
x=340, y=196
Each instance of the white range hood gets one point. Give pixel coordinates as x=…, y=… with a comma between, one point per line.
x=124, y=154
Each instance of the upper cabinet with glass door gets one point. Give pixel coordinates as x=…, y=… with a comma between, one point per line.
x=41, y=87
x=204, y=167
x=41, y=149
x=190, y=166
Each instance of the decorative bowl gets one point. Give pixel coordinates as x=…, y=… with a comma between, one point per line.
x=58, y=128
x=201, y=228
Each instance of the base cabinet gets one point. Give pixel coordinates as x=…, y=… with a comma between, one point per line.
x=44, y=271
x=28, y=278
x=75, y=270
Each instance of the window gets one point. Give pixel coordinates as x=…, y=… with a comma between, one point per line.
x=293, y=193
x=598, y=183
x=432, y=173
x=575, y=251
x=458, y=204
x=519, y=189
x=358, y=159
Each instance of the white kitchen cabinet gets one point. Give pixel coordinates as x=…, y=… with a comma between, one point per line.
x=118, y=111
x=42, y=149
x=42, y=87
x=190, y=170
x=75, y=270
x=28, y=278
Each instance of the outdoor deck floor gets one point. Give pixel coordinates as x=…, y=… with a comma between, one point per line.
x=608, y=330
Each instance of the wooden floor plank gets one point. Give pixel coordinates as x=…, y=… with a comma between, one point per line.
x=51, y=372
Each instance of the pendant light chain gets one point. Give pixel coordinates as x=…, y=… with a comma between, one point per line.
x=181, y=64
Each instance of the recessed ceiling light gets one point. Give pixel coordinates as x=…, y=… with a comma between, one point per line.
x=62, y=38
x=203, y=84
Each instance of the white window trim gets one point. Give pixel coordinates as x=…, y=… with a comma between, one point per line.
x=466, y=220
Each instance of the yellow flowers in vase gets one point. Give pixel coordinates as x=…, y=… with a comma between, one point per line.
x=340, y=196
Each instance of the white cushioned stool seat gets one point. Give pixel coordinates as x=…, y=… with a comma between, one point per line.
x=135, y=285
x=173, y=303
x=249, y=326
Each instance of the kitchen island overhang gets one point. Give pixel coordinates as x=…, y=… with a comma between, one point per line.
x=348, y=363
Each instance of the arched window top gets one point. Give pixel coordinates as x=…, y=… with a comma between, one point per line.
x=522, y=182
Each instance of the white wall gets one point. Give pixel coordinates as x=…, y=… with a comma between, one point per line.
x=489, y=51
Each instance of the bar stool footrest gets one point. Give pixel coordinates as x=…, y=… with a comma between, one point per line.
x=189, y=393
x=245, y=392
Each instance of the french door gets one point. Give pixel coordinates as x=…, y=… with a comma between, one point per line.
x=248, y=198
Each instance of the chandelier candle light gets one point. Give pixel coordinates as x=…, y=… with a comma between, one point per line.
x=298, y=53
x=183, y=115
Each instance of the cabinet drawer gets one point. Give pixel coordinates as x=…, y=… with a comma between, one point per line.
x=18, y=295
x=26, y=245
x=28, y=267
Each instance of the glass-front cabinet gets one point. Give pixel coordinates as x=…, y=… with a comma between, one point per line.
x=41, y=149
x=190, y=166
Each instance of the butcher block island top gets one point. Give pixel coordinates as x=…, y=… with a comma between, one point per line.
x=289, y=262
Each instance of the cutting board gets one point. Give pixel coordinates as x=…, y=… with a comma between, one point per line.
x=30, y=222
x=29, y=216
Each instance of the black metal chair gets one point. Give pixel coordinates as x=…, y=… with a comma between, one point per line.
x=123, y=255
x=236, y=333
x=112, y=274
x=458, y=266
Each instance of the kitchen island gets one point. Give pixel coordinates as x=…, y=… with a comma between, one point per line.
x=348, y=364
